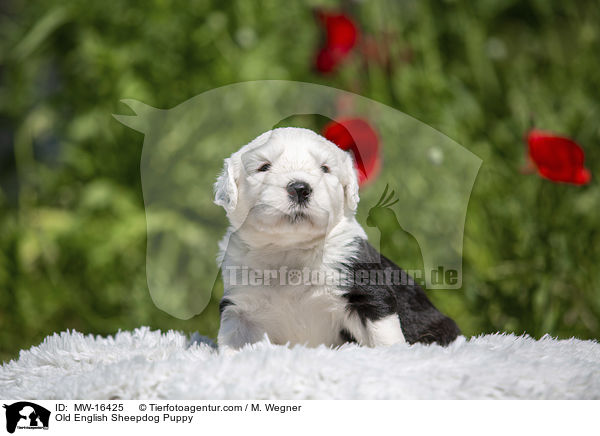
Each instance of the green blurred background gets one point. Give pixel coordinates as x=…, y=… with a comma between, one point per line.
x=72, y=222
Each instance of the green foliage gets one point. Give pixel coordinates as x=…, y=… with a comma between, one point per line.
x=72, y=222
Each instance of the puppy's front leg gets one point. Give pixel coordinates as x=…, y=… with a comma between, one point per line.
x=236, y=331
x=373, y=333
x=385, y=331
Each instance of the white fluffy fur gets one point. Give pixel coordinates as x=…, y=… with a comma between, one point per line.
x=262, y=237
x=145, y=364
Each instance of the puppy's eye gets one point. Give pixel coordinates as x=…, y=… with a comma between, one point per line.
x=264, y=167
x=325, y=168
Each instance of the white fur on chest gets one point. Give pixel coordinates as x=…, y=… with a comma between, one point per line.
x=309, y=315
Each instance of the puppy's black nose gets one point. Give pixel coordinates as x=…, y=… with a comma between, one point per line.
x=299, y=191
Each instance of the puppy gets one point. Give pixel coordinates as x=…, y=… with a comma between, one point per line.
x=296, y=264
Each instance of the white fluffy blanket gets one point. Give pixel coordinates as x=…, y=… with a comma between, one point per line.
x=146, y=364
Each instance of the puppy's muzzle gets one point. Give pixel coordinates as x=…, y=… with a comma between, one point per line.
x=299, y=192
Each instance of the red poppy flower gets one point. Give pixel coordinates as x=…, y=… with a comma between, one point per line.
x=557, y=158
x=357, y=135
x=340, y=37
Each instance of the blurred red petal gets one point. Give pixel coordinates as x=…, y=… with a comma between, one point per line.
x=582, y=177
x=341, y=32
x=341, y=35
x=557, y=158
x=326, y=60
x=357, y=135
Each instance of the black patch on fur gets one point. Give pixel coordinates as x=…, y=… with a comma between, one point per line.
x=347, y=336
x=419, y=319
x=224, y=303
x=370, y=302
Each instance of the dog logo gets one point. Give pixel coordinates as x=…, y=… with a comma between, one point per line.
x=184, y=147
x=26, y=415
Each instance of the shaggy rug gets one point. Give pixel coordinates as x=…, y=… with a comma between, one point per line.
x=146, y=364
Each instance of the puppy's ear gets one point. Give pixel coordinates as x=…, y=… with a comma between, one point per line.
x=350, y=183
x=226, y=190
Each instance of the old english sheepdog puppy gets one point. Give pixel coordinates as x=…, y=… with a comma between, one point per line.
x=296, y=264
